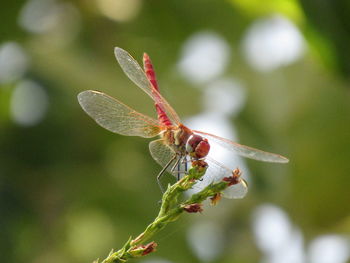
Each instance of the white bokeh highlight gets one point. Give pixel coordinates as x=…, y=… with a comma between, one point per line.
x=276, y=237
x=13, y=62
x=329, y=249
x=206, y=240
x=29, y=103
x=58, y=21
x=271, y=227
x=224, y=96
x=204, y=57
x=290, y=252
x=39, y=16
x=272, y=42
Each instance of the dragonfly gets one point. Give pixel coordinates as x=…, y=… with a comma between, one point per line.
x=177, y=143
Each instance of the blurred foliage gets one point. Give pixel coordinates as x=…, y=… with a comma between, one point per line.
x=331, y=20
x=70, y=190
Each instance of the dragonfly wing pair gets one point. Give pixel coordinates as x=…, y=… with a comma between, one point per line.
x=116, y=117
x=137, y=75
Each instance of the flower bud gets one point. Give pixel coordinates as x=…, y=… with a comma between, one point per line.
x=193, y=208
x=234, y=178
x=142, y=250
x=200, y=163
x=215, y=199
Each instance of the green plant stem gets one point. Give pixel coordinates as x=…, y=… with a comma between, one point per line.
x=171, y=208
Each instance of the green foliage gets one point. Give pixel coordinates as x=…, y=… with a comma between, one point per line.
x=70, y=191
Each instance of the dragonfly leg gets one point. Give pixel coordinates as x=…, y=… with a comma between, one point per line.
x=177, y=163
x=163, y=171
x=185, y=161
x=179, y=171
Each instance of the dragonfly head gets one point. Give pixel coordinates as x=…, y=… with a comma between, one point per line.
x=197, y=146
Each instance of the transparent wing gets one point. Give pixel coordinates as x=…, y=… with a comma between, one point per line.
x=116, y=117
x=160, y=152
x=215, y=173
x=245, y=151
x=163, y=154
x=236, y=191
x=136, y=74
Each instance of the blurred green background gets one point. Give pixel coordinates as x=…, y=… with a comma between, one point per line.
x=271, y=74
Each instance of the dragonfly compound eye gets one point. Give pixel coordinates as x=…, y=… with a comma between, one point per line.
x=197, y=147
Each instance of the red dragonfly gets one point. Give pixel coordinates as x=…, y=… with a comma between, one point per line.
x=177, y=142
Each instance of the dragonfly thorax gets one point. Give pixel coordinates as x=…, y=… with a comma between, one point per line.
x=177, y=137
x=197, y=146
